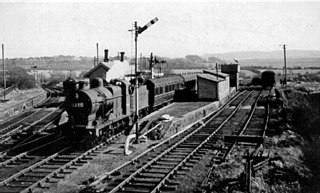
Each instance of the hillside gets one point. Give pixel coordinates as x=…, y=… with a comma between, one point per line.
x=52, y=63
x=266, y=55
x=279, y=63
x=86, y=63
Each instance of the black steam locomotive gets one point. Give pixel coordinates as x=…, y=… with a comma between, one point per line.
x=106, y=108
x=267, y=80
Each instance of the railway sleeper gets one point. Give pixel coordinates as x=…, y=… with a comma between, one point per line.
x=160, y=167
x=70, y=156
x=59, y=161
x=27, y=179
x=51, y=166
x=151, y=175
x=19, y=184
x=170, y=159
x=143, y=185
x=34, y=175
x=188, y=146
x=145, y=180
x=178, y=153
x=177, y=156
x=166, y=163
x=134, y=190
x=158, y=171
x=41, y=170
x=184, y=149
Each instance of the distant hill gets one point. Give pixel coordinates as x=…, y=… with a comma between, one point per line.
x=229, y=56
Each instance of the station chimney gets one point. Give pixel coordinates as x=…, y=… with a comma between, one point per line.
x=122, y=56
x=106, y=59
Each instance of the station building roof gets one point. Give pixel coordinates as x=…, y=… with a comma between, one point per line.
x=102, y=65
x=211, y=78
x=189, y=77
x=214, y=72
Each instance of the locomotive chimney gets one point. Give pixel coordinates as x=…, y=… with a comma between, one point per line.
x=121, y=56
x=106, y=59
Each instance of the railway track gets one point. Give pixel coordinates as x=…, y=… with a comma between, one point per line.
x=26, y=126
x=254, y=129
x=46, y=169
x=36, y=121
x=155, y=169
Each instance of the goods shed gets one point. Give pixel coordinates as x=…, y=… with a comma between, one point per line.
x=212, y=88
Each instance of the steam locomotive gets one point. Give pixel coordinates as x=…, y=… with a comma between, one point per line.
x=106, y=108
x=267, y=80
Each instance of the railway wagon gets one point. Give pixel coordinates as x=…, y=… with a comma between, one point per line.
x=267, y=79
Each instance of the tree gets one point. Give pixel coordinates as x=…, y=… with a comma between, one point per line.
x=195, y=59
x=20, y=78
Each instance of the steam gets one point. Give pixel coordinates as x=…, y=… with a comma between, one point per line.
x=118, y=70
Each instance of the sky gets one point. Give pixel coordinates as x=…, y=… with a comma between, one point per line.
x=49, y=28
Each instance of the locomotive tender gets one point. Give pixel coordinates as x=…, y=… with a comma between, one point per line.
x=105, y=108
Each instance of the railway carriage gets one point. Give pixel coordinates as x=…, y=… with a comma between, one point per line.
x=162, y=90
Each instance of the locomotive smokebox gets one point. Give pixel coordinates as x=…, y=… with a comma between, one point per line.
x=82, y=85
x=122, y=56
x=106, y=59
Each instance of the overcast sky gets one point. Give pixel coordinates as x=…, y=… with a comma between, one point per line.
x=48, y=29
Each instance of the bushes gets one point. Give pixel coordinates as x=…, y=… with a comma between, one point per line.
x=303, y=115
x=21, y=79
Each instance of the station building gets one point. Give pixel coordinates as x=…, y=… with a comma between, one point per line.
x=212, y=87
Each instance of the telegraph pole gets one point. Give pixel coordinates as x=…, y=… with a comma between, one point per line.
x=4, y=74
x=285, y=64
